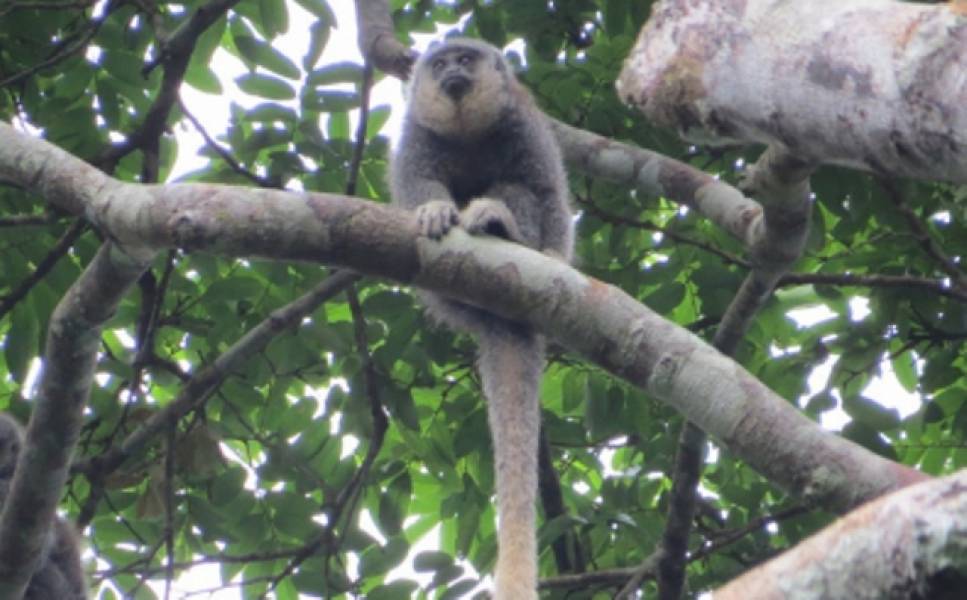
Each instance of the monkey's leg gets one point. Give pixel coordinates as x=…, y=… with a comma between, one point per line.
x=511, y=362
x=61, y=576
x=66, y=555
x=544, y=221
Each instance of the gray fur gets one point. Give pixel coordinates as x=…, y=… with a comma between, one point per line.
x=60, y=575
x=476, y=152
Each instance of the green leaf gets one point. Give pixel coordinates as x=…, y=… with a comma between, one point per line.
x=380, y=559
x=400, y=403
x=431, y=561
x=275, y=17
x=265, y=86
x=605, y=408
x=616, y=16
x=318, y=39
x=204, y=79
x=270, y=112
x=338, y=127
x=378, y=117
x=293, y=514
x=330, y=101
x=390, y=514
x=458, y=589
x=227, y=486
x=472, y=434
x=871, y=413
x=22, y=341
x=575, y=390
x=263, y=54
x=233, y=289
x=868, y=437
x=939, y=370
x=73, y=83
x=125, y=66
x=905, y=369
x=666, y=298
x=340, y=72
x=320, y=9
x=820, y=403
x=393, y=591
x=445, y=575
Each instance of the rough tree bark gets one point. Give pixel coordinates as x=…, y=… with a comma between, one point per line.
x=909, y=544
x=871, y=84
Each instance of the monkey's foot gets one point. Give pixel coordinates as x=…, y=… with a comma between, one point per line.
x=484, y=216
x=436, y=217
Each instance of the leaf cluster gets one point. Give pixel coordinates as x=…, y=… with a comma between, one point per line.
x=283, y=475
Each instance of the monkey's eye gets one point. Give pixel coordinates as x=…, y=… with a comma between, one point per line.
x=465, y=60
x=438, y=65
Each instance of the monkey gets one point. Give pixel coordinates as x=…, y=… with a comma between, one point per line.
x=60, y=575
x=476, y=152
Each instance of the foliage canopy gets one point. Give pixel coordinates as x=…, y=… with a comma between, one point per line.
x=362, y=428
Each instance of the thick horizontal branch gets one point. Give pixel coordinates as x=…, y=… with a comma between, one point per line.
x=909, y=544
x=653, y=174
x=874, y=85
x=598, y=320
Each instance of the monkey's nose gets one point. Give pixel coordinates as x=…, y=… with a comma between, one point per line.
x=455, y=86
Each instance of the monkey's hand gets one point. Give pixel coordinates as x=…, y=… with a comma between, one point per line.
x=436, y=217
x=484, y=216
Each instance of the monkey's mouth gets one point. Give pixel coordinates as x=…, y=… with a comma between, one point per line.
x=455, y=86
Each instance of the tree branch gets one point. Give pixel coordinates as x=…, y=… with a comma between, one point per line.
x=73, y=338
x=197, y=389
x=781, y=181
x=923, y=237
x=377, y=39
x=586, y=315
x=175, y=54
x=61, y=248
x=653, y=175
x=907, y=544
x=870, y=85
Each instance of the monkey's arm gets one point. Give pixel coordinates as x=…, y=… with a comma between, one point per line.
x=426, y=196
x=430, y=200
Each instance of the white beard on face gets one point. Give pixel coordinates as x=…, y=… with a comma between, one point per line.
x=466, y=118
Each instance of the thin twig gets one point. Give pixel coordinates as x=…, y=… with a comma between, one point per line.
x=63, y=245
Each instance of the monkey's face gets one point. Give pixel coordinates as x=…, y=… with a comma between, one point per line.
x=460, y=89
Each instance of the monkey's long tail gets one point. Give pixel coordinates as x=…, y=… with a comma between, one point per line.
x=511, y=363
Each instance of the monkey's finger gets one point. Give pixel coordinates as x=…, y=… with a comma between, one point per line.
x=435, y=225
x=434, y=219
